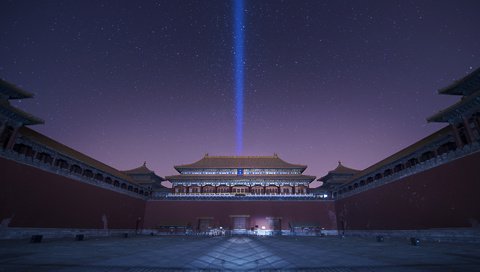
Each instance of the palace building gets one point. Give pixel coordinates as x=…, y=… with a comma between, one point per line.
x=430, y=187
x=240, y=176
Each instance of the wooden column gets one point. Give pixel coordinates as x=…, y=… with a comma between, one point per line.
x=11, y=141
x=477, y=122
x=3, y=126
x=456, y=135
x=468, y=129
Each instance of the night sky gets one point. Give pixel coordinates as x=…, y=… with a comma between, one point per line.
x=133, y=81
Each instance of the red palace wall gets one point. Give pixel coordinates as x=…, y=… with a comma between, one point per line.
x=447, y=196
x=37, y=199
x=443, y=197
x=165, y=212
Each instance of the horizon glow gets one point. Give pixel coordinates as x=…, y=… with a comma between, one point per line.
x=239, y=40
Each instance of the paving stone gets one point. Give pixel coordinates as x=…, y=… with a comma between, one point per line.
x=148, y=254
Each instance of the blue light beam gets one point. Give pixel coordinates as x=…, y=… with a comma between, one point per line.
x=239, y=40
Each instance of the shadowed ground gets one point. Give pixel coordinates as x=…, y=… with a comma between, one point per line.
x=237, y=253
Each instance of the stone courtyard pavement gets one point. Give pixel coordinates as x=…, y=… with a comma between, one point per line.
x=170, y=253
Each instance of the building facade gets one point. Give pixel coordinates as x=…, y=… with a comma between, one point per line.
x=430, y=187
x=240, y=176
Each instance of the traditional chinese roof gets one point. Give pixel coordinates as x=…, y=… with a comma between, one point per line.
x=343, y=170
x=69, y=152
x=465, y=86
x=467, y=105
x=18, y=115
x=340, y=170
x=140, y=170
x=143, y=170
x=238, y=177
x=259, y=162
x=12, y=92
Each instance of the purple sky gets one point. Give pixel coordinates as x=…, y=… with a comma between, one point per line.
x=127, y=82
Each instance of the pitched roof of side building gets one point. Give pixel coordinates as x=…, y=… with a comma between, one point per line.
x=403, y=153
x=69, y=152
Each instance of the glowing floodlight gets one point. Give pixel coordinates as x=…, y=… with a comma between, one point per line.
x=239, y=40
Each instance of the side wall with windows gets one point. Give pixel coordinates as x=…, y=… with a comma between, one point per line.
x=33, y=198
x=446, y=196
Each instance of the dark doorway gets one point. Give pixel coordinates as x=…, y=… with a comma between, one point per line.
x=275, y=224
x=204, y=224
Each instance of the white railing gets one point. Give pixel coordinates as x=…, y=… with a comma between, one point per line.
x=230, y=196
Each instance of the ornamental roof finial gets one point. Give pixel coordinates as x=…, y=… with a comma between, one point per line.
x=145, y=163
x=339, y=163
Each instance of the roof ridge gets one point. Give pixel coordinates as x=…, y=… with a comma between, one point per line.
x=246, y=157
x=241, y=162
x=340, y=166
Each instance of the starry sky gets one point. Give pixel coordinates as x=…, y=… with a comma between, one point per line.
x=133, y=81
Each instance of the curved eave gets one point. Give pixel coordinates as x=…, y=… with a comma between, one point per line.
x=152, y=176
x=323, y=178
x=19, y=115
x=244, y=162
x=464, y=86
x=138, y=171
x=340, y=171
x=181, y=168
x=330, y=174
x=465, y=105
x=234, y=177
x=13, y=92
